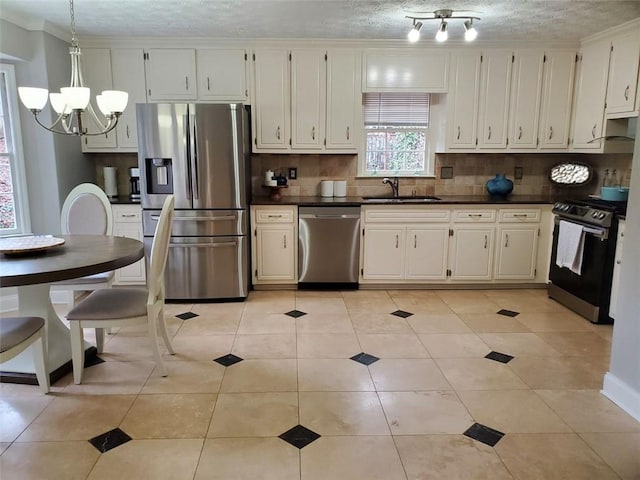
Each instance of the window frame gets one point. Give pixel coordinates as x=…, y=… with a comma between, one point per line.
x=16, y=156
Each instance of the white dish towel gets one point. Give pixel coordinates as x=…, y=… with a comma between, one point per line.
x=570, y=246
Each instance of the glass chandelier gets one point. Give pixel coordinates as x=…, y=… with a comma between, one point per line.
x=72, y=102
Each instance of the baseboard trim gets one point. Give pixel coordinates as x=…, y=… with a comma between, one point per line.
x=622, y=395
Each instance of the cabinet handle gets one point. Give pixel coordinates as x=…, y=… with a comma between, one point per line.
x=128, y=215
x=519, y=133
x=458, y=137
x=208, y=84
x=550, y=132
x=348, y=133
x=274, y=216
x=474, y=215
x=520, y=215
x=313, y=133
x=415, y=241
x=278, y=132
x=186, y=82
x=593, y=130
x=626, y=93
x=489, y=136
x=397, y=240
x=486, y=239
x=127, y=131
x=285, y=241
x=506, y=241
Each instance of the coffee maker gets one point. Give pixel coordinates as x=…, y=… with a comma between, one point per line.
x=134, y=183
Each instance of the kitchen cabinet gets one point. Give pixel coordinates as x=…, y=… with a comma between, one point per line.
x=462, y=103
x=623, y=74
x=384, y=251
x=590, y=95
x=308, y=98
x=343, y=100
x=222, y=75
x=495, y=82
x=555, y=116
x=517, y=247
x=524, y=105
x=96, y=70
x=171, y=74
x=274, y=249
x=127, y=222
x=472, y=244
x=403, y=70
x=426, y=254
x=615, y=284
x=127, y=66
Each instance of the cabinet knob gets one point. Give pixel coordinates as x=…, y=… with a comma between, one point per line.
x=618, y=262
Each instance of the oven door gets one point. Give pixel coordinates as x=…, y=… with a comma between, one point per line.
x=593, y=285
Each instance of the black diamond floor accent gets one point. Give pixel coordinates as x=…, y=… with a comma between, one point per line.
x=295, y=313
x=484, y=434
x=228, y=360
x=187, y=315
x=499, y=357
x=109, y=440
x=508, y=313
x=401, y=313
x=365, y=358
x=90, y=361
x=299, y=436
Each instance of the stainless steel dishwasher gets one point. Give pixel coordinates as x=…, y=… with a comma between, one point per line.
x=328, y=247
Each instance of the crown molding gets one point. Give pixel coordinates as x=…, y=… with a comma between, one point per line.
x=34, y=25
x=630, y=25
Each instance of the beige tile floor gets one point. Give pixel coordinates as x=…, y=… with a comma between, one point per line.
x=402, y=417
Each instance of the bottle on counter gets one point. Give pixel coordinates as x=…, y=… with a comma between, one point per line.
x=606, y=180
x=615, y=181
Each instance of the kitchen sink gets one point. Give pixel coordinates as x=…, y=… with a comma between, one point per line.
x=408, y=199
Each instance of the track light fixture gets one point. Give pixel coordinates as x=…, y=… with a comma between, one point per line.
x=444, y=15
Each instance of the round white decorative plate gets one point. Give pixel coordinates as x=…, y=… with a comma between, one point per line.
x=32, y=243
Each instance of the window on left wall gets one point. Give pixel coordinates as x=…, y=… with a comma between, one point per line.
x=14, y=211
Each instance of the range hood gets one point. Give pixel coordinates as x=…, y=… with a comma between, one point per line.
x=619, y=130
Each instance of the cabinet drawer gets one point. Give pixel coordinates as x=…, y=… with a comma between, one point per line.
x=393, y=215
x=519, y=216
x=127, y=214
x=474, y=216
x=275, y=215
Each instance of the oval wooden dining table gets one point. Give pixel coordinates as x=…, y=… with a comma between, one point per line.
x=33, y=273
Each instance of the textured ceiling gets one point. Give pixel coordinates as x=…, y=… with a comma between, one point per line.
x=502, y=21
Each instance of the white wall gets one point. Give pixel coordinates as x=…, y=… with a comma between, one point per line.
x=622, y=382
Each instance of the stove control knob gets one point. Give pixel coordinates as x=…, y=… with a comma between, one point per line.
x=602, y=215
x=595, y=214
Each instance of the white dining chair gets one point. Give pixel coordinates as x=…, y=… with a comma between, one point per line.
x=18, y=333
x=86, y=211
x=121, y=307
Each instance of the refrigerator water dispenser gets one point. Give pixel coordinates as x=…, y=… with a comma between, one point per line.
x=160, y=176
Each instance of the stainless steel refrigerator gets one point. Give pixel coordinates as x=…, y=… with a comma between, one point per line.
x=200, y=153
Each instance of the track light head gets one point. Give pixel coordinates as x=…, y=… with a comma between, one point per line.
x=442, y=34
x=414, y=34
x=445, y=16
x=470, y=33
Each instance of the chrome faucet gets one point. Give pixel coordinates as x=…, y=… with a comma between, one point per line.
x=393, y=184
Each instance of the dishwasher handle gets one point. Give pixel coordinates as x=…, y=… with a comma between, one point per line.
x=328, y=216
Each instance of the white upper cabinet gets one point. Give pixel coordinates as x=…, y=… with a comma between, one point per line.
x=462, y=104
x=406, y=70
x=623, y=74
x=222, y=75
x=127, y=66
x=308, y=101
x=555, y=116
x=590, y=94
x=271, y=114
x=96, y=70
x=495, y=82
x=524, y=106
x=343, y=99
x=171, y=74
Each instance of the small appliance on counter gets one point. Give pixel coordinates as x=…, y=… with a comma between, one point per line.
x=134, y=183
x=110, y=182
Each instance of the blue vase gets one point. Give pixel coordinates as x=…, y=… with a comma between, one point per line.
x=499, y=186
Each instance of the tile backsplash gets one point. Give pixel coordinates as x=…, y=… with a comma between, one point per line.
x=470, y=173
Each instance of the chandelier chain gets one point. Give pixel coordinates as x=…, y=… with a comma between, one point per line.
x=74, y=38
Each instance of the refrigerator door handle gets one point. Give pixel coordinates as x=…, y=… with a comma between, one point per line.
x=203, y=245
x=199, y=219
x=193, y=158
x=187, y=155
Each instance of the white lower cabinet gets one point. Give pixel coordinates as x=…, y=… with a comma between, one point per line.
x=274, y=246
x=426, y=256
x=127, y=222
x=516, y=252
x=615, y=284
x=384, y=252
x=472, y=252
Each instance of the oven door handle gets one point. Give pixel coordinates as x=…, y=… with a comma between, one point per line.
x=601, y=233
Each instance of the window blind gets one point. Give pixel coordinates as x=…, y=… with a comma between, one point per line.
x=396, y=109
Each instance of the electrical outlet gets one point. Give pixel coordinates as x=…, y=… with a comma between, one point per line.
x=293, y=173
x=518, y=173
x=446, y=173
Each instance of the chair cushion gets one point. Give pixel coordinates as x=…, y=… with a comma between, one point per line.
x=111, y=303
x=15, y=330
x=97, y=278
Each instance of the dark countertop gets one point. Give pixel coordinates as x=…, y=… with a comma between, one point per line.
x=445, y=200
x=123, y=200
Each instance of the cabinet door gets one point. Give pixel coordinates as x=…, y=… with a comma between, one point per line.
x=517, y=248
x=343, y=99
x=524, y=107
x=472, y=253
x=271, y=100
x=171, y=74
x=623, y=73
x=134, y=273
x=463, y=101
x=615, y=283
x=127, y=65
x=557, y=91
x=495, y=81
x=384, y=248
x=275, y=253
x=426, y=256
x=96, y=70
x=308, y=98
x=591, y=88
x=222, y=74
